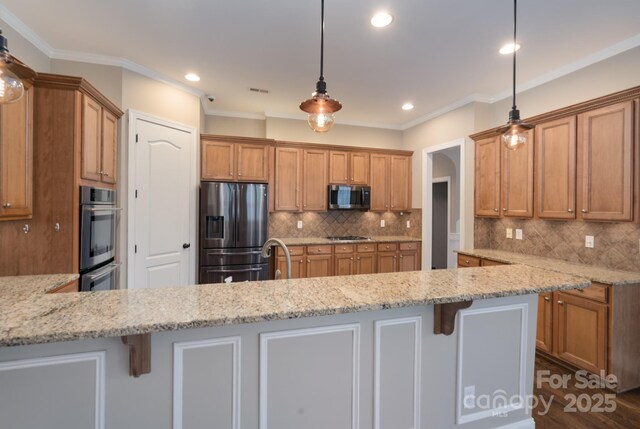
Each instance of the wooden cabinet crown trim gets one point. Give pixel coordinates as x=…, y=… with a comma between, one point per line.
x=279, y=143
x=73, y=83
x=237, y=139
x=575, y=109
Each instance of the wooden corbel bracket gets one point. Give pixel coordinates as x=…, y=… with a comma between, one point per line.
x=139, y=354
x=445, y=316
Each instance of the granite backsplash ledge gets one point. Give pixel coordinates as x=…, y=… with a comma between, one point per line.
x=340, y=223
x=616, y=244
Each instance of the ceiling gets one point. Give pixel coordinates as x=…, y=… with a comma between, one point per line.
x=436, y=53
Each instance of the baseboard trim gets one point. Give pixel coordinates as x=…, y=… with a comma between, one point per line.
x=529, y=423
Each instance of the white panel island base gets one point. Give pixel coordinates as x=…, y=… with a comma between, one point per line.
x=377, y=369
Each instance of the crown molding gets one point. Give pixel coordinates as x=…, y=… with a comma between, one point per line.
x=231, y=114
x=300, y=117
x=22, y=29
x=475, y=98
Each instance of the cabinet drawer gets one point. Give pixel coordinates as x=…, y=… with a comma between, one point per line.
x=387, y=247
x=409, y=246
x=319, y=250
x=362, y=248
x=344, y=248
x=468, y=261
x=293, y=251
x=490, y=262
x=597, y=292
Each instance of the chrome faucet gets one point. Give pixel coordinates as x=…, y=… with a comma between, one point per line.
x=266, y=253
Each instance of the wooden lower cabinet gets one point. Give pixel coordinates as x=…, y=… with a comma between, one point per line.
x=365, y=263
x=298, y=267
x=544, y=331
x=344, y=265
x=466, y=261
x=319, y=266
x=387, y=262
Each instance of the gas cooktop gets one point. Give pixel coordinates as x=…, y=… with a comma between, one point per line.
x=349, y=238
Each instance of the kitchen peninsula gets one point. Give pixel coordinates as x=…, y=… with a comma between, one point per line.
x=341, y=352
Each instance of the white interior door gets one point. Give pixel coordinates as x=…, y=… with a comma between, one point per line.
x=162, y=238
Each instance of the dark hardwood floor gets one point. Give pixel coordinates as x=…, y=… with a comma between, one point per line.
x=625, y=416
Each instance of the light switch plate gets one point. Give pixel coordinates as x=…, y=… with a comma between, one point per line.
x=589, y=241
x=299, y=224
x=382, y=223
x=518, y=234
x=469, y=397
x=509, y=232
x=408, y=224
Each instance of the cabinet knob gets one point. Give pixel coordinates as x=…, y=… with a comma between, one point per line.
x=496, y=210
x=561, y=302
x=7, y=205
x=467, y=261
x=56, y=227
x=105, y=174
x=319, y=250
x=546, y=298
x=504, y=209
x=386, y=206
x=583, y=210
x=401, y=256
x=358, y=258
x=26, y=228
x=395, y=257
x=570, y=210
x=352, y=258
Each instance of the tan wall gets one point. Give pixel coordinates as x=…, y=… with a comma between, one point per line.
x=347, y=135
x=242, y=127
x=23, y=50
x=106, y=79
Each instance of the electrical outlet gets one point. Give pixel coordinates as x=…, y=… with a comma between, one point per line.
x=469, y=397
x=382, y=223
x=299, y=224
x=589, y=241
x=509, y=232
x=518, y=234
x=408, y=224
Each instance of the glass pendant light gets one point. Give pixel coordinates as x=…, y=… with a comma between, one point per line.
x=514, y=134
x=11, y=88
x=321, y=107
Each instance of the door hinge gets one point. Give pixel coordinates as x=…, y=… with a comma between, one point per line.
x=136, y=138
x=136, y=193
x=135, y=248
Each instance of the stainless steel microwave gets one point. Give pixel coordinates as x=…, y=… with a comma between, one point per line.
x=345, y=197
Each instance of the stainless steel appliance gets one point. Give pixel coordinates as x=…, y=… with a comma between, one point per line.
x=98, y=215
x=233, y=228
x=344, y=197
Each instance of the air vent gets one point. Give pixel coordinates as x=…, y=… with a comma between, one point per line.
x=259, y=90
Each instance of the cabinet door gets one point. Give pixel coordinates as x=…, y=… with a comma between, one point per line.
x=16, y=158
x=253, y=163
x=365, y=263
x=109, y=153
x=343, y=265
x=605, y=163
x=319, y=265
x=387, y=262
x=298, y=267
x=218, y=161
x=379, y=182
x=408, y=261
x=544, y=331
x=555, y=154
x=517, y=180
x=91, y=139
x=359, y=168
x=315, y=180
x=338, y=167
x=400, y=182
x=581, y=332
x=487, y=177
x=288, y=179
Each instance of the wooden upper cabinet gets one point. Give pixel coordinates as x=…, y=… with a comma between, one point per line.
x=380, y=178
x=359, y=168
x=400, y=182
x=253, y=162
x=605, y=163
x=229, y=161
x=109, y=155
x=348, y=168
x=16, y=158
x=487, y=177
x=517, y=180
x=315, y=180
x=91, y=138
x=555, y=190
x=99, y=156
x=288, y=179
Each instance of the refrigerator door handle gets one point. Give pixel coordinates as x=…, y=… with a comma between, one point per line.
x=241, y=270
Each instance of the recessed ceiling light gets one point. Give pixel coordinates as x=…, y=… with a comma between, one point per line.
x=381, y=19
x=508, y=48
x=407, y=106
x=192, y=77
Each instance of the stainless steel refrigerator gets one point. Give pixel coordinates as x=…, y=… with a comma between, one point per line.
x=233, y=228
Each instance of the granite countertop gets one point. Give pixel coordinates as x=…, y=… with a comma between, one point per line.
x=311, y=241
x=593, y=273
x=31, y=316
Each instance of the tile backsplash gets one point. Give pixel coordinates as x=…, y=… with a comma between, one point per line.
x=616, y=244
x=336, y=223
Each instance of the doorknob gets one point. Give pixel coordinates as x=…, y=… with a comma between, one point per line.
x=186, y=245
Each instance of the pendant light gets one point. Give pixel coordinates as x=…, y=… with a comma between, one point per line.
x=11, y=88
x=321, y=107
x=515, y=132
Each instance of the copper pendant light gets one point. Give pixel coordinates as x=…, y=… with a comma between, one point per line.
x=11, y=87
x=321, y=107
x=514, y=134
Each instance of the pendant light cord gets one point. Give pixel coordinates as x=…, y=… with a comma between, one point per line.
x=515, y=7
x=322, y=41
